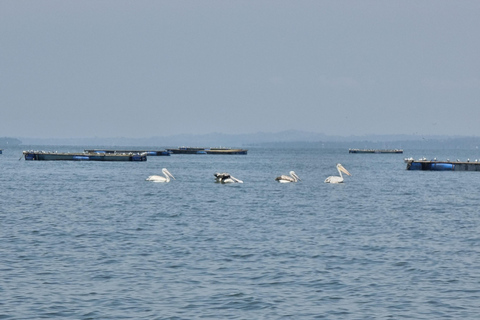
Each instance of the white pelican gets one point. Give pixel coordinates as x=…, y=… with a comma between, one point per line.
x=291, y=178
x=166, y=178
x=338, y=179
x=226, y=178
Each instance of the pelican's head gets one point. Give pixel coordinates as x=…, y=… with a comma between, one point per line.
x=220, y=176
x=341, y=168
x=166, y=172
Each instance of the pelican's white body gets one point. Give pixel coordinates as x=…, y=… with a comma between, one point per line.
x=165, y=178
x=226, y=178
x=338, y=179
x=286, y=179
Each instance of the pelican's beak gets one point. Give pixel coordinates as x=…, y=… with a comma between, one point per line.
x=171, y=175
x=239, y=181
x=298, y=177
x=344, y=170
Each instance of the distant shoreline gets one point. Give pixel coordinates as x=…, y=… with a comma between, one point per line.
x=288, y=139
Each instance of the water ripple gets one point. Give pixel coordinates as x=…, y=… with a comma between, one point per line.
x=108, y=245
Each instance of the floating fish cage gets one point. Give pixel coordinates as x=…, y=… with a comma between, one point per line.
x=226, y=151
x=86, y=156
x=375, y=151
x=434, y=165
x=149, y=153
x=190, y=150
x=187, y=150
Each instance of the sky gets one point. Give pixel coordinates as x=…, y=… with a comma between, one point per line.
x=115, y=68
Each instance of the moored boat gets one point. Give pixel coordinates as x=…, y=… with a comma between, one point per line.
x=226, y=151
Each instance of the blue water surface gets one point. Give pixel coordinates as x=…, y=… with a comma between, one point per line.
x=94, y=240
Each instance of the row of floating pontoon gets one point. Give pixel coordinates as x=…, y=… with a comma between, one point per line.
x=122, y=155
x=181, y=150
x=83, y=156
x=131, y=155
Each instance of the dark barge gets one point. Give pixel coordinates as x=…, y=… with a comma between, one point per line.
x=226, y=151
x=375, y=151
x=148, y=152
x=434, y=165
x=187, y=150
x=190, y=150
x=85, y=156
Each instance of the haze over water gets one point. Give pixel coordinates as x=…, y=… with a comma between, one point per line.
x=94, y=240
x=112, y=68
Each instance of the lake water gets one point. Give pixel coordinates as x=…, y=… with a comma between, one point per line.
x=94, y=240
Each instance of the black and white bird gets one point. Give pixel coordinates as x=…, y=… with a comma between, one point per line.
x=286, y=179
x=226, y=178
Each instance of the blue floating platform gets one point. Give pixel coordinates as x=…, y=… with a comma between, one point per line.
x=434, y=165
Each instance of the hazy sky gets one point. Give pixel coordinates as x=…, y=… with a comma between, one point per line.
x=154, y=68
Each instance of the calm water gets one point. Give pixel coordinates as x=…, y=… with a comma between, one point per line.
x=94, y=240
